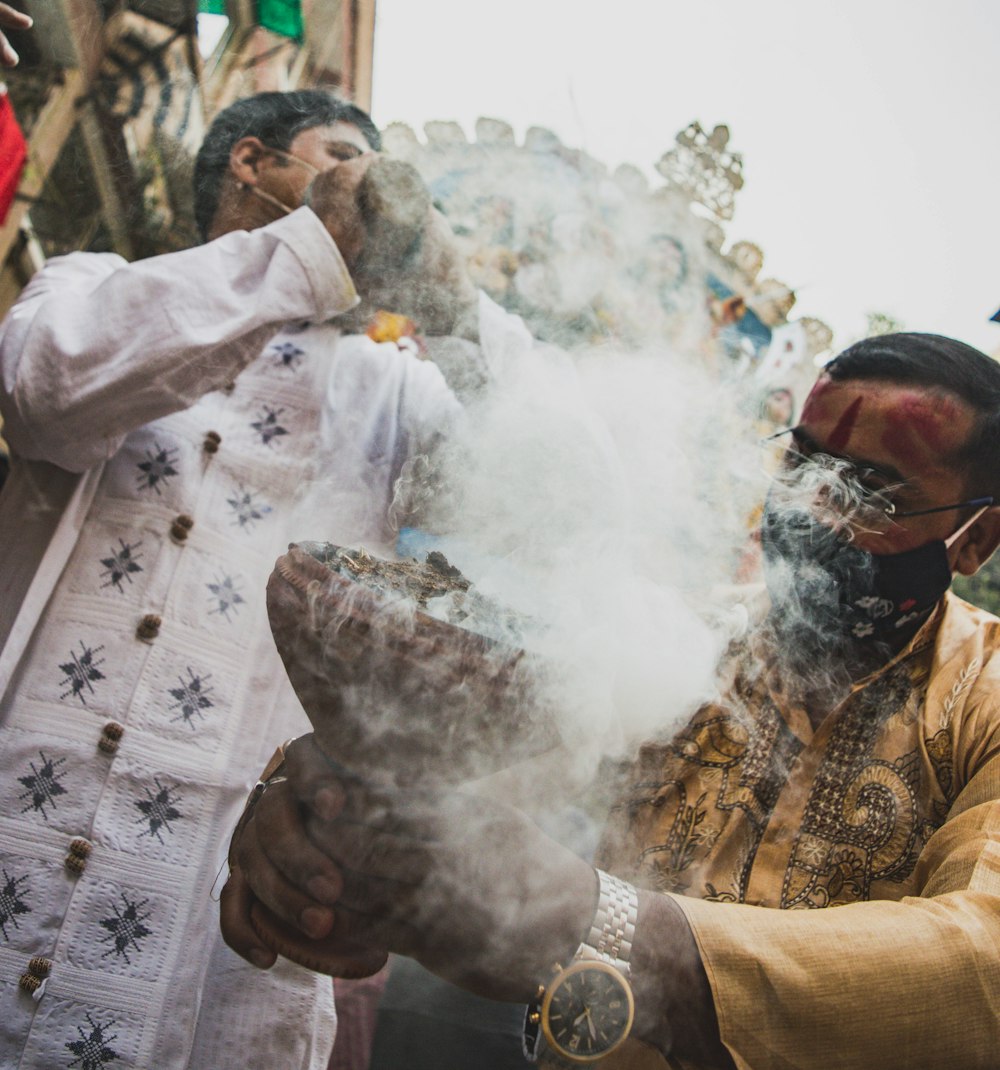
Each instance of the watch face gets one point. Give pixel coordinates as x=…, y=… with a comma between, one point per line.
x=587, y=1011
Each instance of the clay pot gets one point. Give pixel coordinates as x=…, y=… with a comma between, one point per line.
x=395, y=695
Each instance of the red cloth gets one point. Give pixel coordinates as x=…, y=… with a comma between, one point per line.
x=357, y=1006
x=13, y=152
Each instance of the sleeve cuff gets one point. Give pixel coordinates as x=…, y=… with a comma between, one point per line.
x=329, y=280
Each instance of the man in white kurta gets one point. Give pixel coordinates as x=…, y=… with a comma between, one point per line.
x=169, y=420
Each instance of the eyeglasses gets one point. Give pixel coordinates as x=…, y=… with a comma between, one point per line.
x=844, y=486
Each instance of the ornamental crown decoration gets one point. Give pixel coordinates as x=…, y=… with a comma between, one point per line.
x=702, y=167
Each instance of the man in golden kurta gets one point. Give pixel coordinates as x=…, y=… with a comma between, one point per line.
x=851, y=759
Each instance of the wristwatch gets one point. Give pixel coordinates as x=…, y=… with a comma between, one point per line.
x=586, y=1010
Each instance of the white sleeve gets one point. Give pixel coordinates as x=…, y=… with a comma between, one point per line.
x=96, y=347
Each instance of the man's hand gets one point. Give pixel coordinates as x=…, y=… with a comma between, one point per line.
x=470, y=888
x=272, y=839
x=11, y=19
x=333, y=196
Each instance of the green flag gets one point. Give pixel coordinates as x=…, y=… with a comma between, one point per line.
x=281, y=16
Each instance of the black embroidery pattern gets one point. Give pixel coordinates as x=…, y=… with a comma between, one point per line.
x=158, y=468
x=81, y=672
x=191, y=698
x=126, y=928
x=266, y=425
x=287, y=355
x=11, y=903
x=862, y=822
x=746, y=760
x=121, y=564
x=93, y=1050
x=159, y=810
x=247, y=508
x=42, y=786
x=670, y=860
x=227, y=597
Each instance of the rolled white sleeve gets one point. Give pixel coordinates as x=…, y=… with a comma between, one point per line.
x=96, y=347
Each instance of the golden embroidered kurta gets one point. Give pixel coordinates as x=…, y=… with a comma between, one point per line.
x=889, y=808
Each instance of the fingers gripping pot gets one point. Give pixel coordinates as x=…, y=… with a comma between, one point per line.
x=396, y=696
x=409, y=263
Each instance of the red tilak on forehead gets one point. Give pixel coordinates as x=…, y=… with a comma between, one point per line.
x=917, y=426
x=841, y=434
x=823, y=385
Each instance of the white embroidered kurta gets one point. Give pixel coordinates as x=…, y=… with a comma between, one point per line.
x=206, y=433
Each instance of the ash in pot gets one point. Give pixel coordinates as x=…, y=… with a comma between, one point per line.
x=434, y=586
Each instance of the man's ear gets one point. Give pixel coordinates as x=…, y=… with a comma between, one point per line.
x=245, y=160
x=979, y=543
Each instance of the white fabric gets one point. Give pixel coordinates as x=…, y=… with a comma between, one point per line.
x=117, y=372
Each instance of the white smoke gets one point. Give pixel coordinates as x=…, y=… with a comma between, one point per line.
x=604, y=496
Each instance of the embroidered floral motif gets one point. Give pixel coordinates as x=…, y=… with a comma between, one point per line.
x=227, y=597
x=191, y=698
x=266, y=425
x=93, y=1050
x=11, y=903
x=158, y=468
x=159, y=810
x=126, y=928
x=247, y=508
x=42, y=786
x=287, y=355
x=81, y=672
x=121, y=564
x=670, y=860
x=844, y=880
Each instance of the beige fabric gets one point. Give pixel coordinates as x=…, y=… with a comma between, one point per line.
x=890, y=810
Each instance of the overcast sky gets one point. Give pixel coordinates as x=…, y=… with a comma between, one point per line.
x=868, y=128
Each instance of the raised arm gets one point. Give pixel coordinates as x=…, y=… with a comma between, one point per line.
x=96, y=347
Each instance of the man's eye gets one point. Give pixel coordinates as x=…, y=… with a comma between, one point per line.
x=343, y=150
x=873, y=482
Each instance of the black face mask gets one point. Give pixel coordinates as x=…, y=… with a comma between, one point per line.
x=832, y=588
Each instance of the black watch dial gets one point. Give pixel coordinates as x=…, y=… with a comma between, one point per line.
x=587, y=1011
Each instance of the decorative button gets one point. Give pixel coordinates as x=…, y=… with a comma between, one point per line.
x=38, y=969
x=79, y=852
x=149, y=628
x=111, y=736
x=212, y=440
x=181, y=527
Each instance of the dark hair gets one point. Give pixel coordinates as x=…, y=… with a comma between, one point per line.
x=275, y=118
x=931, y=360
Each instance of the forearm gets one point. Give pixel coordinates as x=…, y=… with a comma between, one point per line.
x=675, y=1011
x=910, y=984
x=90, y=354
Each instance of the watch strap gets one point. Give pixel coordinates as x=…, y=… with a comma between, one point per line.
x=613, y=928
